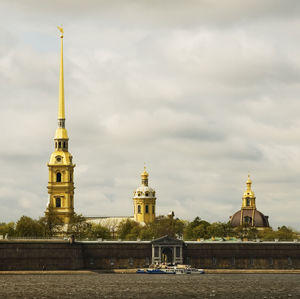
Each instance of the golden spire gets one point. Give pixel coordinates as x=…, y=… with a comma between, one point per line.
x=61, y=132
x=61, y=103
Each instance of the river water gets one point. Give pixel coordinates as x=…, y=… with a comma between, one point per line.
x=96, y=285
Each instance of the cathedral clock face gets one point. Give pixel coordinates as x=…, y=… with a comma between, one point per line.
x=58, y=159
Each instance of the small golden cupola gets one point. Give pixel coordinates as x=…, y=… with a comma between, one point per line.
x=61, y=167
x=144, y=201
x=248, y=196
x=144, y=176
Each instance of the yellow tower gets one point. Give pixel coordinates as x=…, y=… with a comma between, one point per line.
x=144, y=201
x=249, y=196
x=248, y=203
x=61, y=167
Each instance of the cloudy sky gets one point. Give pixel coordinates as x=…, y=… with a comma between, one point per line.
x=201, y=91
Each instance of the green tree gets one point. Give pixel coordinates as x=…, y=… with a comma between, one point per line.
x=285, y=234
x=51, y=223
x=188, y=232
x=129, y=230
x=220, y=229
x=28, y=227
x=246, y=231
x=146, y=233
x=252, y=233
x=78, y=226
x=167, y=225
x=98, y=231
x=200, y=231
x=267, y=234
x=196, y=229
x=7, y=229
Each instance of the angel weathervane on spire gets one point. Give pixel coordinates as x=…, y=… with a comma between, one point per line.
x=61, y=31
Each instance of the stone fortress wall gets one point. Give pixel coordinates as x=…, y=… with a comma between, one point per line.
x=243, y=255
x=40, y=255
x=62, y=255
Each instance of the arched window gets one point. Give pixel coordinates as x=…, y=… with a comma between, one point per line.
x=147, y=209
x=59, y=144
x=58, y=177
x=247, y=219
x=247, y=201
x=64, y=144
x=153, y=209
x=55, y=144
x=58, y=202
x=139, y=209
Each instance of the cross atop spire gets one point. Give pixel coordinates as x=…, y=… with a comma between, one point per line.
x=61, y=31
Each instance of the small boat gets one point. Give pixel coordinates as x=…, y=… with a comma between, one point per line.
x=180, y=269
x=160, y=271
x=185, y=269
x=155, y=271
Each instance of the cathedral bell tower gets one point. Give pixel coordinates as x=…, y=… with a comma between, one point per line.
x=61, y=167
x=144, y=201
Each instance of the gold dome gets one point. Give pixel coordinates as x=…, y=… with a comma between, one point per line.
x=249, y=180
x=144, y=173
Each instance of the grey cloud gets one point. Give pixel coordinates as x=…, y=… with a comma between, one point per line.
x=203, y=92
x=167, y=12
x=208, y=134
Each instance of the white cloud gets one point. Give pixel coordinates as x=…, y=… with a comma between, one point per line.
x=202, y=91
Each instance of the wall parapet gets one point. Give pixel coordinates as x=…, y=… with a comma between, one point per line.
x=62, y=255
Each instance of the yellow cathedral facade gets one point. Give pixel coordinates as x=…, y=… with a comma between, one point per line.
x=61, y=167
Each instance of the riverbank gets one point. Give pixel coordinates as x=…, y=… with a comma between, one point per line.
x=133, y=271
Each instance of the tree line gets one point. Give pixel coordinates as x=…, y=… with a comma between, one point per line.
x=51, y=225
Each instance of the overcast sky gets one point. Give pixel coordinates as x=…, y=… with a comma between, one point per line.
x=203, y=92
